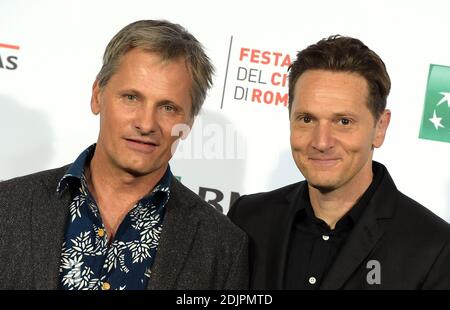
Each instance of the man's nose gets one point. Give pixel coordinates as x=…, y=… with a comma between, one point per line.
x=323, y=138
x=146, y=119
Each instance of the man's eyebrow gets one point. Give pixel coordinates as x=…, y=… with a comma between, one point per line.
x=345, y=113
x=132, y=91
x=337, y=114
x=300, y=112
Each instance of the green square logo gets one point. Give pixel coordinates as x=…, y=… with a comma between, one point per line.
x=436, y=111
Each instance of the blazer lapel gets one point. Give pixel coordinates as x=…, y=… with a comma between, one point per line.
x=278, y=247
x=357, y=247
x=179, y=230
x=48, y=222
x=365, y=234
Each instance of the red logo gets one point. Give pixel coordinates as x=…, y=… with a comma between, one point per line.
x=14, y=47
x=267, y=71
x=8, y=60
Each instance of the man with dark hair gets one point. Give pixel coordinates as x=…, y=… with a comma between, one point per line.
x=346, y=226
x=117, y=218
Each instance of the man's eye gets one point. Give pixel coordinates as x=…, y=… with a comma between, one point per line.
x=168, y=108
x=130, y=97
x=306, y=119
x=345, y=121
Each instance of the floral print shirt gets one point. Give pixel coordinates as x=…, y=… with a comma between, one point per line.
x=88, y=260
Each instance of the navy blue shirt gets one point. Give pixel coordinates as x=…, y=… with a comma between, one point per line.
x=88, y=259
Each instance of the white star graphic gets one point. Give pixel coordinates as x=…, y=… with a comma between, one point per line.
x=436, y=121
x=445, y=98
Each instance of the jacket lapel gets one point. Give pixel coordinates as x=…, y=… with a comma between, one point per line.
x=48, y=222
x=278, y=247
x=364, y=236
x=179, y=230
x=358, y=246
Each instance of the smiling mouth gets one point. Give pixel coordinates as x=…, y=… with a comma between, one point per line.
x=324, y=161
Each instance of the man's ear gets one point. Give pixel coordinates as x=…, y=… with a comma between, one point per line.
x=381, y=128
x=95, y=98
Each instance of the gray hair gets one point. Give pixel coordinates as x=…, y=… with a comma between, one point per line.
x=170, y=41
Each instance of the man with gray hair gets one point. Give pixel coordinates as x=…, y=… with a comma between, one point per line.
x=116, y=218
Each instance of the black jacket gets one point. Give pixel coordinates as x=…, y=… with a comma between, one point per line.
x=411, y=244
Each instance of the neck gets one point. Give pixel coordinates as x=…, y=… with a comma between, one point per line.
x=116, y=191
x=107, y=181
x=331, y=206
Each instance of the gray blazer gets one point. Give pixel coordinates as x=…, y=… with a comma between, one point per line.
x=199, y=248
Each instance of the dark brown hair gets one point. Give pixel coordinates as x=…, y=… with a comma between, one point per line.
x=344, y=54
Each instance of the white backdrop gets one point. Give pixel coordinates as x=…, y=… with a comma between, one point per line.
x=46, y=122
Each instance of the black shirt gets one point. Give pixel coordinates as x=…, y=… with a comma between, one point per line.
x=313, y=246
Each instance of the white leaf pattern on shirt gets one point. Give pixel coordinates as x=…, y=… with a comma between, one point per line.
x=144, y=218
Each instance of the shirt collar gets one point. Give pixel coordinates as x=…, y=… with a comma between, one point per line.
x=358, y=209
x=76, y=170
x=304, y=203
x=161, y=192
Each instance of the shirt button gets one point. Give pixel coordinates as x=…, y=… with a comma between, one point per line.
x=325, y=237
x=106, y=286
x=312, y=280
x=101, y=232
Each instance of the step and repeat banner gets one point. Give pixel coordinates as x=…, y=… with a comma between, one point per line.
x=51, y=51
